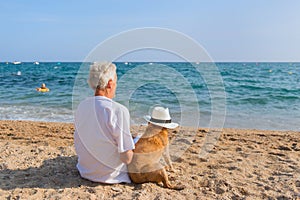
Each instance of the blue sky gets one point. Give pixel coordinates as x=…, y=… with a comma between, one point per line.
x=229, y=30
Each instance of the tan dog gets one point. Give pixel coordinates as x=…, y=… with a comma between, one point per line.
x=150, y=148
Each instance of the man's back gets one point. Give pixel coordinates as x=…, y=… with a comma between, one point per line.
x=102, y=133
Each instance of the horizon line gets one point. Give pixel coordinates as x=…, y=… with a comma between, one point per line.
x=147, y=61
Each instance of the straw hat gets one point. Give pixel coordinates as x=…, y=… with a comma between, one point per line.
x=161, y=117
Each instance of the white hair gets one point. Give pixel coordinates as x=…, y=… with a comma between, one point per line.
x=100, y=74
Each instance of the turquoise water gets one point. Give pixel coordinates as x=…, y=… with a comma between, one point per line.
x=257, y=95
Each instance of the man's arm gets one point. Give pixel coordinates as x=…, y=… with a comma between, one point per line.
x=126, y=157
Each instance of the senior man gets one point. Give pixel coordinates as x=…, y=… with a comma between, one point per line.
x=102, y=137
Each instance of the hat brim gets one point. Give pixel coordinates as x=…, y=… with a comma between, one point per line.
x=171, y=125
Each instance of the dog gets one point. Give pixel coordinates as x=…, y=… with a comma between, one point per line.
x=149, y=150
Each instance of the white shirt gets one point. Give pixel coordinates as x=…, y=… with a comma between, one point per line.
x=102, y=132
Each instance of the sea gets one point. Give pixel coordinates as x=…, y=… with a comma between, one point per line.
x=247, y=95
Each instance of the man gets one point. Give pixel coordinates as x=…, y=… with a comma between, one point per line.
x=102, y=137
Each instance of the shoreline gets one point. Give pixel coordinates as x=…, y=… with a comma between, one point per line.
x=137, y=125
x=38, y=161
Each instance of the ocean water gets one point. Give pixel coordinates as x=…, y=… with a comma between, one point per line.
x=238, y=95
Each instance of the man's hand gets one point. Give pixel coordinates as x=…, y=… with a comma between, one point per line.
x=126, y=157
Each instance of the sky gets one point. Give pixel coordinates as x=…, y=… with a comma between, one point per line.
x=229, y=30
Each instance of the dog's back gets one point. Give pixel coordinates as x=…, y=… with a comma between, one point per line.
x=148, y=150
x=145, y=165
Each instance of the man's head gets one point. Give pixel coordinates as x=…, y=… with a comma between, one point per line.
x=103, y=77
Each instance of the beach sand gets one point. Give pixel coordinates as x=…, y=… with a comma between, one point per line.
x=37, y=161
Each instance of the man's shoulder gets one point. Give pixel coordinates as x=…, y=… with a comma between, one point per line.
x=86, y=102
x=105, y=102
x=119, y=107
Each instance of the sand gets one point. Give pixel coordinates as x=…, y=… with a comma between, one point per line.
x=37, y=161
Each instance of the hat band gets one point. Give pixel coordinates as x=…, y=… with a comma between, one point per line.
x=160, y=120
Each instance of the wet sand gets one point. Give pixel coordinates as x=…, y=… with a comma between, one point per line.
x=37, y=161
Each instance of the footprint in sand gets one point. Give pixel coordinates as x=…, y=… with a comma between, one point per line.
x=297, y=184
